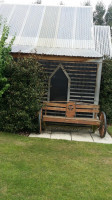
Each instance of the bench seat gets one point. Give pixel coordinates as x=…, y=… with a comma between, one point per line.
x=73, y=120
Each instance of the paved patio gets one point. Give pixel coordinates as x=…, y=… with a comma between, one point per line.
x=82, y=135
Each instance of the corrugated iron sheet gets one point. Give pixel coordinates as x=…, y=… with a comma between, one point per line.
x=55, y=30
x=103, y=40
x=22, y=48
x=57, y=51
x=67, y=27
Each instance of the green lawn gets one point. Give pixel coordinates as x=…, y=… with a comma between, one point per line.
x=42, y=169
x=110, y=130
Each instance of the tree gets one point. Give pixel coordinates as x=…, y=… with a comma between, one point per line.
x=108, y=17
x=38, y=2
x=87, y=3
x=5, y=57
x=98, y=15
x=61, y=3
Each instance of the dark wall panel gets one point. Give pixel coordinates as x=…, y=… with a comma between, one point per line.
x=83, y=79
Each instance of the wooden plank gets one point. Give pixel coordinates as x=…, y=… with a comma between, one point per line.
x=87, y=106
x=55, y=101
x=55, y=104
x=82, y=90
x=87, y=110
x=83, y=93
x=86, y=121
x=84, y=100
x=83, y=75
x=78, y=104
x=83, y=97
x=54, y=108
x=80, y=70
x=77, y=67
x=58, y=58
x=83, y=85
x=80, y=100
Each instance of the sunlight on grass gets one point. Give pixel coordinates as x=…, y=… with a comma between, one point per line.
x=42, y=169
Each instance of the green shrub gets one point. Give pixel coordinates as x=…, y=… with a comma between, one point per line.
x=5, y=57
x=106, y=89
x=21, y=102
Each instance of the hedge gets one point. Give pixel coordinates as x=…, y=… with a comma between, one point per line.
x=106, y=89
x=21, y=102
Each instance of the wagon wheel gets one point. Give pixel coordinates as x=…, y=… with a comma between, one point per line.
x=103, y=125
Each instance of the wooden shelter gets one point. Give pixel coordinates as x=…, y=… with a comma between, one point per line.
x=64, y=41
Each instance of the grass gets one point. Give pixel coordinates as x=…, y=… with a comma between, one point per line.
x=110, y=130
x=42, y=169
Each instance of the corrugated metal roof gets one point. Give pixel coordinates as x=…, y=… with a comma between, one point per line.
x=68, y=52
x=22, y=48
x=57, y=51
x=103, y=40
x=56, y=30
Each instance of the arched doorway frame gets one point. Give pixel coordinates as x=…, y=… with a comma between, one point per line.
x=68, y=77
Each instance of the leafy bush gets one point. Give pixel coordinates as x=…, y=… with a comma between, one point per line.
x=5, y=57
x=21, y=102
x=106, y=89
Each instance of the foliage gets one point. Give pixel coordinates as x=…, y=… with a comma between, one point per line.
x=22, y=101
x=87, y=3
x=5, y=57
x=38, y=2
x=108, y=16
x=61, y=3
x=110, y=130
x=106, y=89
x=98, y=15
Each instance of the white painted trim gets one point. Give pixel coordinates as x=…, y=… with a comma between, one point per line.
x=98, y=82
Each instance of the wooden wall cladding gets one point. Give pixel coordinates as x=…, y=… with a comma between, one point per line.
x=83, y=79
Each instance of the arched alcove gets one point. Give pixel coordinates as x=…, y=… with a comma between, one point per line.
x=59, y=83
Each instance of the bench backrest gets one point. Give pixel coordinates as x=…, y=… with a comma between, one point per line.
x=71, y=108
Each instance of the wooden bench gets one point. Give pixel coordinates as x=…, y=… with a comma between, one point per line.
x=70, y=112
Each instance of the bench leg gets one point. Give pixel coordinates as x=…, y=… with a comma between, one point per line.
x=40, y=127
x=94, y=128
x=40, y=121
